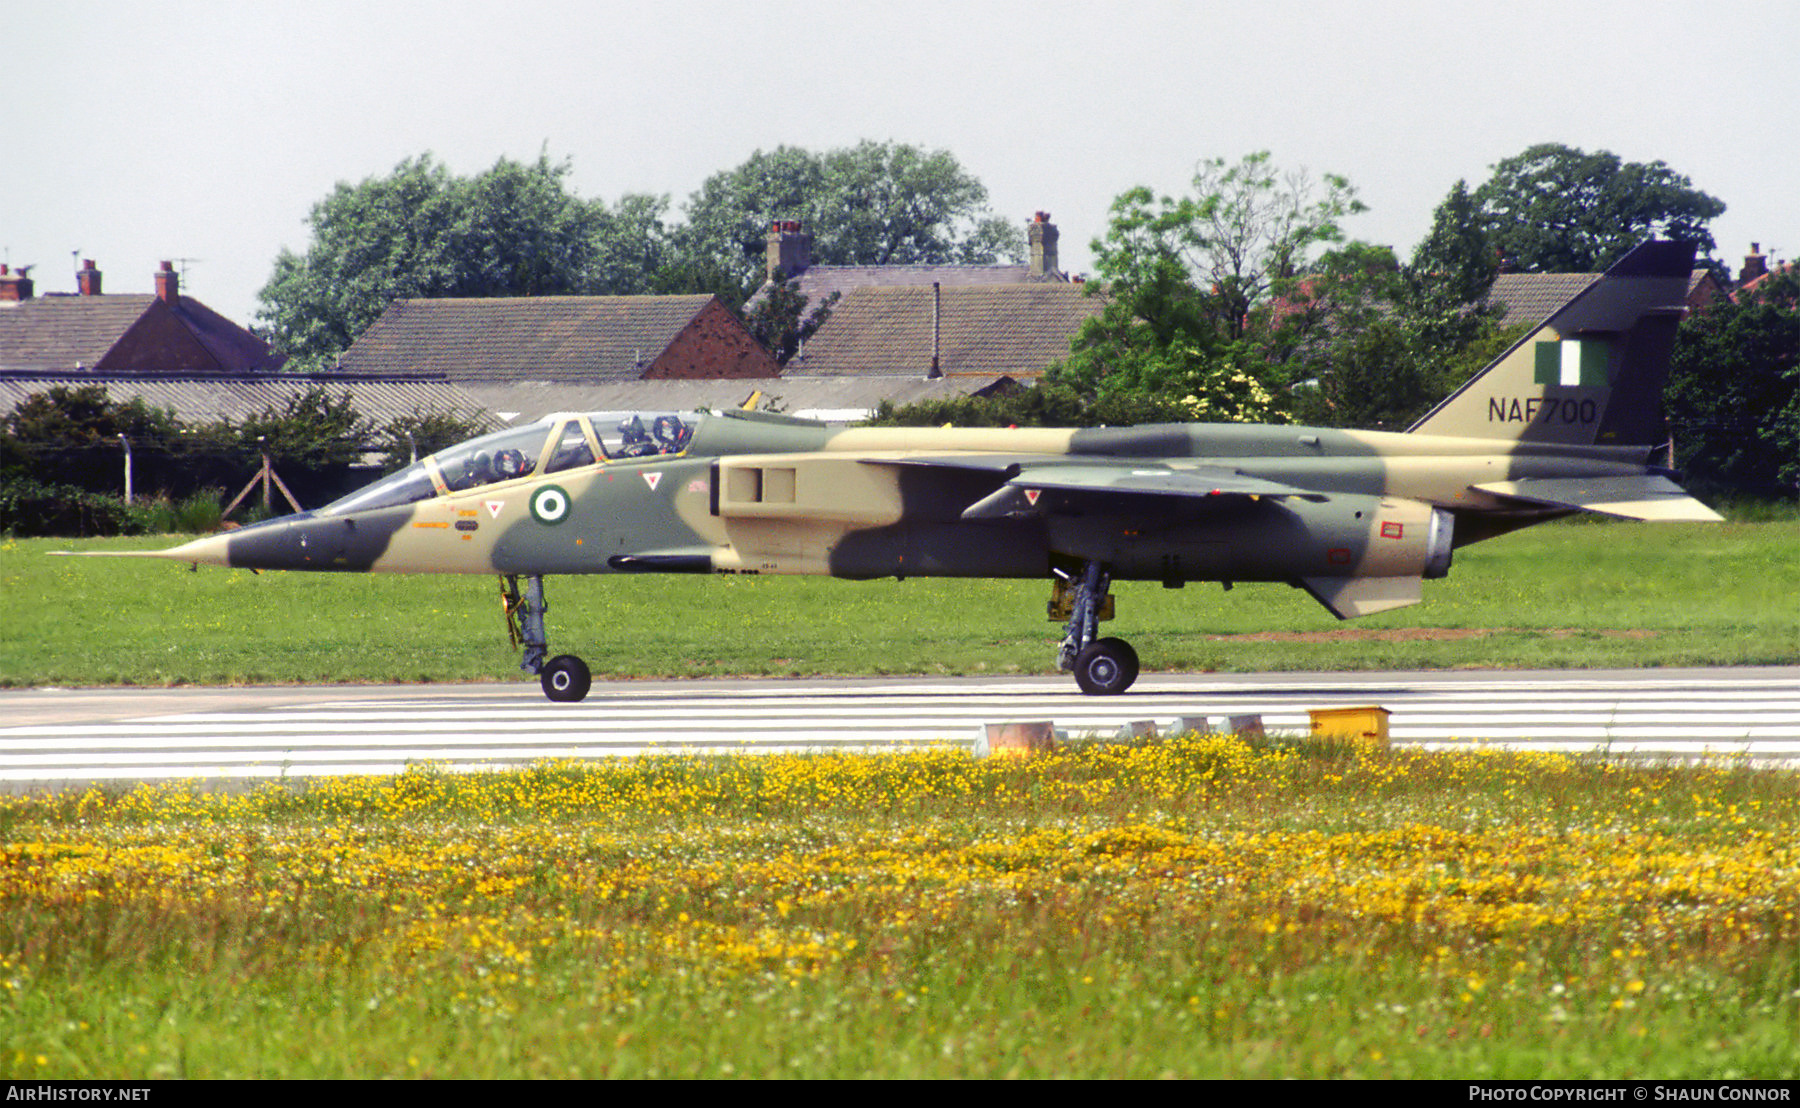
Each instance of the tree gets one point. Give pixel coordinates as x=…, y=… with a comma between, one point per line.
x=1733, y=397
x=1043, y=405
x=634, y=252
x=61, y=459
x=514, y=230
x=729, y=217
x=62, y=462
x=1457, y=261
x=76, y=417
x=311, y=430
x=781, y=322
x=70, y=434
x=1558, y=209
x=870, y=204
x=1390, y=367
x=1396, y=339
x=1250, y=231
x=1210, y=295
x=1393, y=340
x=893, y=204
x=407, y=438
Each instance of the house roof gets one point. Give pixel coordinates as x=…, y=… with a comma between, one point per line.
x=820, y=281
x=1531, y=297
x=541, y=338
x=1762, y=279
x=200, y=399
x=64, y=333
x=886, y=331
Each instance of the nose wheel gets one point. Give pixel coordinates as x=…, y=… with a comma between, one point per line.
x=565, y=678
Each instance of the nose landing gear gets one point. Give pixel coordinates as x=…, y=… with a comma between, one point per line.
x=565, y=677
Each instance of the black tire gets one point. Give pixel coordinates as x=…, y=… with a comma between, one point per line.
x=1106, y=667
x=565, y=678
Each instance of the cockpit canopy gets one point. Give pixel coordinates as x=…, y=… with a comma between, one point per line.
x=558, y=443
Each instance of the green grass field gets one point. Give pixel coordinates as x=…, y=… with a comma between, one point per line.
x=1561, y=595
x=1193, y=907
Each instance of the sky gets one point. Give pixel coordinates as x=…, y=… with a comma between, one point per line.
x=204, y=132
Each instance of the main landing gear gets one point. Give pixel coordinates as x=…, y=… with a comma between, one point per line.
x=1102, y=667
x=564, y=677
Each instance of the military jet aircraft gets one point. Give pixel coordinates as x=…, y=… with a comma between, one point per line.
x=1565, y=421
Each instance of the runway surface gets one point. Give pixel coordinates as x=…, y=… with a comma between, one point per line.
x=64, y=737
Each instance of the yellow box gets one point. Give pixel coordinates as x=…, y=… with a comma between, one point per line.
x=1366, y=724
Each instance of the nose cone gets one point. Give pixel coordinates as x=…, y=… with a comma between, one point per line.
x=285, y=543
x=303, y=541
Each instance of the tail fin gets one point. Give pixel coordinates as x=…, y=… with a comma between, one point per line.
x=1591, y=373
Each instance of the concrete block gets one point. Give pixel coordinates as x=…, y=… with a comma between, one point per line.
x=1034, y=737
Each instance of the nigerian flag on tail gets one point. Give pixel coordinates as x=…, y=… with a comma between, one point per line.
x=1572, y=362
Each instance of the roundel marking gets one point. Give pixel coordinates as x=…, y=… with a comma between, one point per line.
x=550, y=505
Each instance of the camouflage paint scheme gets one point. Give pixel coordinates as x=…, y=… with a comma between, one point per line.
x=1564, y=421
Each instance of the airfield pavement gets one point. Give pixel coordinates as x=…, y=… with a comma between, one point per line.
x=62, y=737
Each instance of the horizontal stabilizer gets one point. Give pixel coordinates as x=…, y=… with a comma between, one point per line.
x=1349, y=597
x=1647, y=496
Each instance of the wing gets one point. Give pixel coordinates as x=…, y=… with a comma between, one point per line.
x=1036, y=484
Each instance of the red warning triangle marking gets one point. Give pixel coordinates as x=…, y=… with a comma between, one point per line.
x=652, y=478
x=1031, y=495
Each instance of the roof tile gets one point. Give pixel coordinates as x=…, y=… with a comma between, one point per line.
x=990, y=330
x=63, y=333
x=545, y=338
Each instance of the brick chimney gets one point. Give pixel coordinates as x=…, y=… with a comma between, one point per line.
x=1042, y=235
x=168, y=284
x=1755, y=265
x=87, y=278
x=14, y=287
x=789, y=249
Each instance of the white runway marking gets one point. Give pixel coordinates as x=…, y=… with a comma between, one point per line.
x=312, y=732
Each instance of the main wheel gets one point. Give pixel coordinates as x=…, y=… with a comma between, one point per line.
x=1106, y=667
x=565, y=678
